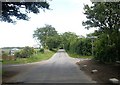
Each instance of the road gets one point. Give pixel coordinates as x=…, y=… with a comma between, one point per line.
x=58, y=69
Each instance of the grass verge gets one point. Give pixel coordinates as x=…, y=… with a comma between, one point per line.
x=73, y=55
x=34, y=58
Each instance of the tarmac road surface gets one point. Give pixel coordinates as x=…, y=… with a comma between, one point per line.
x=58, y=69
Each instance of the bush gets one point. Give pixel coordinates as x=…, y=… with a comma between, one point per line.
x=105, y=50
x=25, y=53
x=17, y=54
x=41, y=50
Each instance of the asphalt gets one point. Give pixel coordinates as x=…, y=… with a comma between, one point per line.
x=60, y=68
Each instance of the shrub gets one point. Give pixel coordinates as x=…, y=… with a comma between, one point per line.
x=41, y=50
x=17, y=54
x=25, y=53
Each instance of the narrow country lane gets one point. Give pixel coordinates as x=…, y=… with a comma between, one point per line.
x=58, y=69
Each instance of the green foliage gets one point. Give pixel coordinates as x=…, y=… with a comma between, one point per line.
x=79, y=56
x=18, y=54
x=105, y=17
x=42, y=34
x=14, y=9
x=69, y=41
x=74, y=44
x=53, y=42
x=28, y=51
x=25, y=52
x=105, y=51
x=49, y=38
x=41, y=50
x=84, y=46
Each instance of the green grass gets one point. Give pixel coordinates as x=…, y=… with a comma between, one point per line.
x=34, y=58
x=73, y=55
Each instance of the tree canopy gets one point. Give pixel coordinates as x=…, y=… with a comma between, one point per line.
x=10, y=9
x=43, y=33
x=105, y=16
x=53, y=42
x=71, y=42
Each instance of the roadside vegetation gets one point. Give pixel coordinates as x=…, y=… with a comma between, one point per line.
x=79, y=56
x=33, y=58
x=72, y=43
x=105, y=18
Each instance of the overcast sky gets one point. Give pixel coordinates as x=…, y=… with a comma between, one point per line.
x=67, y=15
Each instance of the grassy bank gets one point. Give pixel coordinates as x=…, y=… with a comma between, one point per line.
x=34, y=58
x=78, y=56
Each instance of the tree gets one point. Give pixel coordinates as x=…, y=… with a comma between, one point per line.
x=75, y=44
x=85, y=46
x=67, y=39
x=43, y=33
x=105, y=17
x=53, y=42
x=15, y=9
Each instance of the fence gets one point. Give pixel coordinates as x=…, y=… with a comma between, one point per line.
x=8, y=57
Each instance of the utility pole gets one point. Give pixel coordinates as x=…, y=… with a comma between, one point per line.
x=92, y=39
